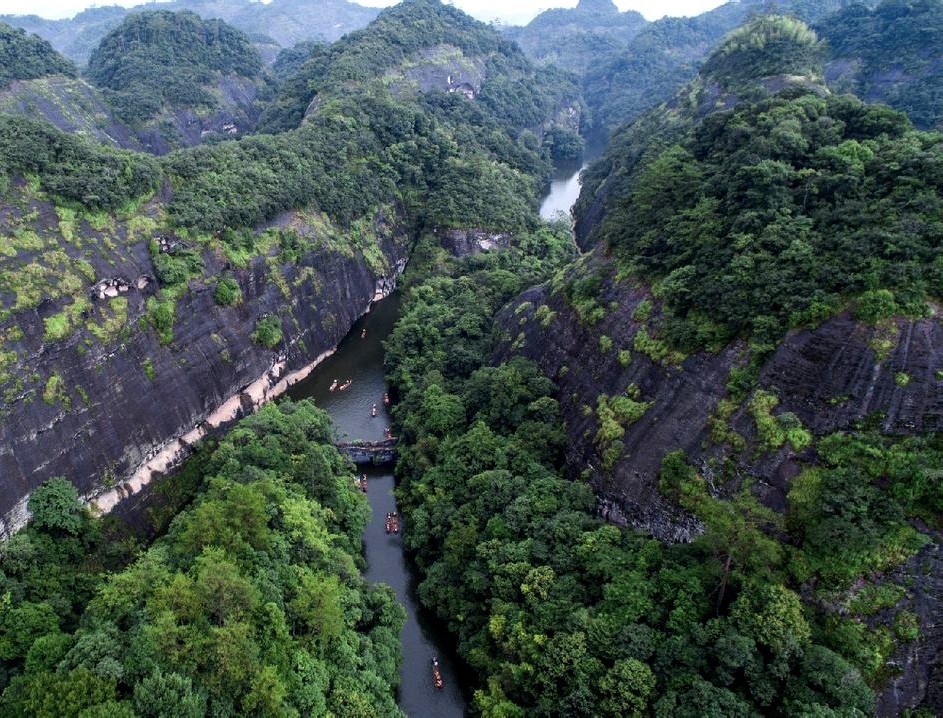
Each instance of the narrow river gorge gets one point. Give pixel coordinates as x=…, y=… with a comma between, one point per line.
x=359, y=358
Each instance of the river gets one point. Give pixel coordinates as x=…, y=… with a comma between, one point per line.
x=422, y=638
x=361, y=359
x=565, y=183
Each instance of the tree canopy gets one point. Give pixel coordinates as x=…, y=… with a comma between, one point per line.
x=27, y=57
x=157, y=57
x=252, y=604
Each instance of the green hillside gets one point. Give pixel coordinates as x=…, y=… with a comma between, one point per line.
x=159, y=57
x=28, y=57
x=891, y=54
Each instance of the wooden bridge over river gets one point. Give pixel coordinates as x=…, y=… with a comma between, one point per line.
x=375, y=453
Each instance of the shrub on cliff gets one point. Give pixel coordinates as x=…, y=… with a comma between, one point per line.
x=268, y=331
x=227, y=292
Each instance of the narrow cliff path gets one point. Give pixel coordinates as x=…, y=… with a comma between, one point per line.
x=361, y=360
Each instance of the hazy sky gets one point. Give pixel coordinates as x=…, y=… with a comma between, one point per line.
x=517, y=11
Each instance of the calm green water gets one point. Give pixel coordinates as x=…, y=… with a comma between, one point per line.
x=565, y=185
x=362, y=360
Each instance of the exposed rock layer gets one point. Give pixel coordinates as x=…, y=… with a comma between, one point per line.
x=148, y=403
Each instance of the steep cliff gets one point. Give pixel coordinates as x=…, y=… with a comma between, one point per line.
x=145, y=302
x=831, y=377
x=111, y=406
x=707, y=356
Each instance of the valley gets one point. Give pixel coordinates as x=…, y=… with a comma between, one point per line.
x=362, y=363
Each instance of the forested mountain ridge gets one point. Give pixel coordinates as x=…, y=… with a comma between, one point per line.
x=38, y=82
x=176, y=78
x=286, y=21
x=27, y=57
x=450, y=62
x=887, y=53
x=158, y=81
x=574, y=39
x=657, y=58
x=759, y=315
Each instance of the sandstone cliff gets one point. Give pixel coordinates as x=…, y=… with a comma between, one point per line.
x=93, y=405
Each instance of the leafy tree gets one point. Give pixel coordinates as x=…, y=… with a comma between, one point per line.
x=55, y=507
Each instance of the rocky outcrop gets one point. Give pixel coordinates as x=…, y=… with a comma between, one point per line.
x=236, y=111
x=72, y=105
x=465, y=242
x=125, y=412
x=917, y=666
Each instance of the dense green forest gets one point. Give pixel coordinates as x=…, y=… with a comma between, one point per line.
x=514, y=95
x=252, y=604
x=26, y=57
x=559, y=613
x=898, y=36
x=743, y=219
x=159, y=57
x=675, y=191
x=767, y=46
x=75, y=169
x=780, y=212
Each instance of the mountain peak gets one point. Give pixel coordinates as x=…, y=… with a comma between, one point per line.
x=598, y=6
x=767, y=46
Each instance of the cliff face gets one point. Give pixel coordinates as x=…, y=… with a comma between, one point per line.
x=70, y=104
x=74, y=106
x=121, y=412
x=830, y=377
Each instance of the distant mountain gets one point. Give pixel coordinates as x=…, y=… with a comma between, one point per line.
x=666, y=54
x=629, y=65
x=285, y=21
x=573, y=39
x=892, y=54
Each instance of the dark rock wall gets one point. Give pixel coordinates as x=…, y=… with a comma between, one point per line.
x=830, y=377
x=131, y=417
